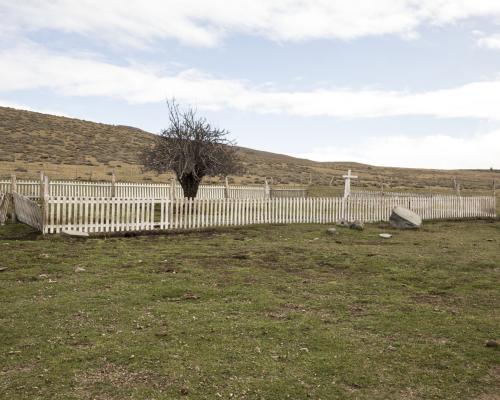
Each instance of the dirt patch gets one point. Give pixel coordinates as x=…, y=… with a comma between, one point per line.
x=427, y=299
x=118, y=377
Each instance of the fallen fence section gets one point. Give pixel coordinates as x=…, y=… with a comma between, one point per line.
x=31, y=189
x=98, y=215
x=4, y=207
x=28, y=211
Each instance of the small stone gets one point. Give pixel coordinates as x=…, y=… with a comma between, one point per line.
x=342, y=222
x=491, y=343
x=357, y=225
x=3, y=269
x=190, y=296
x=385, y=235
x=332, y=231
x=79, y=269
x=75, y=234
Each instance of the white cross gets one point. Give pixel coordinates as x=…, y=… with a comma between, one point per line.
x=347, y=184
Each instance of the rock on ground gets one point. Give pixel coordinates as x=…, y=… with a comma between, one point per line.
x=403, y=218
x=385, y=235
x=332, y=231
x=358, y=225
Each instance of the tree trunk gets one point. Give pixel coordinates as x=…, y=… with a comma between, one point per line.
x=189, y=185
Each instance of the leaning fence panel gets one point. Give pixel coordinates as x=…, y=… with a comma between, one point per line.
x=4, y=207
x=28, y=211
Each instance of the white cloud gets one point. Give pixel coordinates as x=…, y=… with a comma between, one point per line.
x=433, y=151
x=489, y=42
x=35, y=68
x=206, y=22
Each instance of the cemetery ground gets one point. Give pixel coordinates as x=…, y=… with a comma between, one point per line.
x=262, y=312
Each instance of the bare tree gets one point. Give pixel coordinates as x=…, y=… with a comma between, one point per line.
x=192, y=148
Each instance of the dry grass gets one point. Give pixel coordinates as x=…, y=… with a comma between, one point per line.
x=77, y=149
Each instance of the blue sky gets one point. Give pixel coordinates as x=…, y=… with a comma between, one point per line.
x=388, y=82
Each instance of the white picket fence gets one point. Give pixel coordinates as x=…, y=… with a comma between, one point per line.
x=31, y=189
x=100, y=215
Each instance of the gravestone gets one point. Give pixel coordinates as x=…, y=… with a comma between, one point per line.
x=402, y=218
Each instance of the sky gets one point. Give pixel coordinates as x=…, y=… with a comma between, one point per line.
x=409, y=83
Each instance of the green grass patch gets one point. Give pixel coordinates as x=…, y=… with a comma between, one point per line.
x=264, y=312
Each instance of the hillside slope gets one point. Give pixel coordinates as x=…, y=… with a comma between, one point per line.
x=76, y=149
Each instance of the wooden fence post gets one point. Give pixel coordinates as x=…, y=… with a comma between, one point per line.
x=226, y=189
x=267, y=190
x=13, y=183
x=456, y=186
x=13, y=189
x=40, y=190
x=172, y=189
x=44, y=194
x=113, y=184
x=494, y=197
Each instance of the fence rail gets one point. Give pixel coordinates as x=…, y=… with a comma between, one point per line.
x=375, y=193
x=31, y=189
x=98, y=215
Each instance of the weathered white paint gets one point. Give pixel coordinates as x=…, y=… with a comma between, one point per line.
x=28, y=211
x=31, y=189
x=106, y=214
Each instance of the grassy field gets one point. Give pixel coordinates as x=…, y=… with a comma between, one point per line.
x=264, y=312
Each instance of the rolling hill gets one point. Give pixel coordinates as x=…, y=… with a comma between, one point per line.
x=77, y=149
